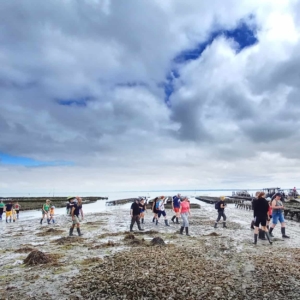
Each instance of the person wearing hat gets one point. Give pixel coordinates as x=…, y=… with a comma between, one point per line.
x=70, y=204
x=277, y=215
x=261, y=209
x=176, y=207
x=45, y=211
x=135, y=214
x=221, y=207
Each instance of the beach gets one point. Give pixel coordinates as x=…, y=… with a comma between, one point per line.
x=108, y=262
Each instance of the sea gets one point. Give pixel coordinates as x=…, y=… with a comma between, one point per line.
x=100, y=205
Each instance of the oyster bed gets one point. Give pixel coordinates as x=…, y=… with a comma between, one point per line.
x=108, y=262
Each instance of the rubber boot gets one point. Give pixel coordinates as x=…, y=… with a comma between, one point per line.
x=261, y=234
x=187, y=231
x=48, y=221
x=177, y=221
x=173, y=218
x=224, y=225
x=7, y=221
x=142, y=220
x=153, y=219
x=255, y=238
x=216, y=225
x=131, y=226
x=156, y=222
x=140, y=228
x=166, y=222
x=71, y=231
x=270, y=232
x=283, y=233
x=252, y=225
x=181, y=230
x=78, y=231
x=268, y=237
x=53, y=221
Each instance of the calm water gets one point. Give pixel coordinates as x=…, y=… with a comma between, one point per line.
x=100, y=206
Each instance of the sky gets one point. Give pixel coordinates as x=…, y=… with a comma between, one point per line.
x=107, y=95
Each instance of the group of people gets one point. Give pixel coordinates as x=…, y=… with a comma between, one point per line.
x=264, y=212
x=180, y=207
x=11, y=211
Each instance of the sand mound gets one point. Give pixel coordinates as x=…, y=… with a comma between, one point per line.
x=157, y=241
x=36, y=258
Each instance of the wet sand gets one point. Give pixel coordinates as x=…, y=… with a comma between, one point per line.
x=108, y=263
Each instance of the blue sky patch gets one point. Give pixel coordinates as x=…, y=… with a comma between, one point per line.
x=6, y=159
x=243, y=35
x=81, y=102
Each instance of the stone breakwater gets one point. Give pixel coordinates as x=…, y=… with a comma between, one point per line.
x=29, y=203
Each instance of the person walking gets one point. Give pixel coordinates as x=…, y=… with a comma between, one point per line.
x=277, y=215
x=154, y=209
x=76, y=211
x=161, y=210
x=17, y=207
x=261, y=209
x=2, y=205
x=143, y=208
x=176, y=208
x=8, y=211
x=185, y=212
x=45, y=211
x=220, y=206
x=253, y=203
x=135, y=215
x=52, y=208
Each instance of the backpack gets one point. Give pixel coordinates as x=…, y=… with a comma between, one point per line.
x=157, y=204
x=218, y=205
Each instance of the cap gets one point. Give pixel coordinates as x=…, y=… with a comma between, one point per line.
x=71, y=197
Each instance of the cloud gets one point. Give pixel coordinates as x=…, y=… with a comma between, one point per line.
x=99, y=83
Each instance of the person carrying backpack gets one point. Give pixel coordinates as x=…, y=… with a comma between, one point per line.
x=176, y=207
x=220, y=206
x=161, y=209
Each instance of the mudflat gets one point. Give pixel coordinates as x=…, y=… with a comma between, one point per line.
x=109, y=262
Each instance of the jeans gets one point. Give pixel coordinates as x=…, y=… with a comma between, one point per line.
x=185, y=221
x=221, y=214
x=135, y=219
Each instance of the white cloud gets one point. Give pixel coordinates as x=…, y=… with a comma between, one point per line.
x=232, y=115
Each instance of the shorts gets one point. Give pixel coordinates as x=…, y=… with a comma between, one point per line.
x=176, y=209
x=45, y=213
x=8, y=213
x=260, y=220
x=142, y=211
x=75, y=220
x=155, y=211
x=161, y=212
x=17, y=211
x=277, y=217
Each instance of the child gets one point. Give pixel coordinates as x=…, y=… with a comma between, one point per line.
x=52, y=214
x=14, y=215
x=17, y=207
x=45, y=211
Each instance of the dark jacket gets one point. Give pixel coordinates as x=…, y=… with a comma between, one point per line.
x=261, y=208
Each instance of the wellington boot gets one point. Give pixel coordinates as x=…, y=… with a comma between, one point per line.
x=78, y=231
x=216, y=225
x=187, y=231
x=140, y=228
x=166, y=222
x=224, y=225
x=268, y=237
x=41, y=222
x=270, y=232
x=255, y=238
x=283, y=233
x=177, y=221
x=181, y=230
x=173, y=218
x=71, y=231
x=156, y=222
